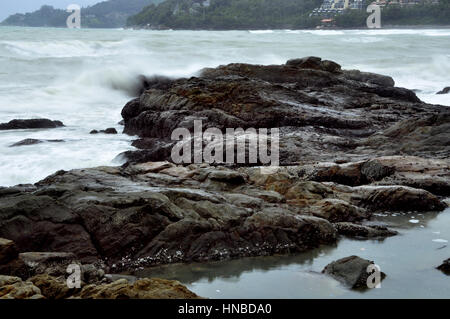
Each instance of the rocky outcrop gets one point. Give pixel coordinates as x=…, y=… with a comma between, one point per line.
x=39, y=275
x=324, y=113
x=30, y=124
x=32, y=141
x=157, y=212
x=52, y=288
x=47, y=287
x=52, y=263
x=141, y=289
x=432, y=175
x=444, y=90
x=337, y=210
x=362, y=231
x=15, y=288
x=29, y=264
x=351, y=144
x=110, y=130
x=396, y=198
x=351, y=271
x=445, y=267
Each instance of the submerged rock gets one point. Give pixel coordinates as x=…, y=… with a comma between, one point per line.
x=351, y=271
x=445, y=267
x=30, y=124
x=32, y=141
x=444, y=90
x=110, y=130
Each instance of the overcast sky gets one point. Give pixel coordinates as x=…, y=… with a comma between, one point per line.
x=8, y=7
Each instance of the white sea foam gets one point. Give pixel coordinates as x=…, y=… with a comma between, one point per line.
x=440, y=240
x=261, y=31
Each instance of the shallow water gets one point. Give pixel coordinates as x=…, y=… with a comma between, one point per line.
x=409, y=260
x=83, y=78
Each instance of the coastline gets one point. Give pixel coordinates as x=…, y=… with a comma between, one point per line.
x=360, y=147
x=137, y=28
x=387, y=27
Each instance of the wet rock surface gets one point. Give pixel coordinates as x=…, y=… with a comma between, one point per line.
x=141, y=289
x=157, y=212
x=323, y=113
x=110, y=130
x=445, y=267
x=45, y=275
x=32, y=141
x=30, y=124
x=351, y=145
x=8, y=251
x=362, y=231
x=14, y=288
x=445, y=90
x=351, y=271
x=48, y=287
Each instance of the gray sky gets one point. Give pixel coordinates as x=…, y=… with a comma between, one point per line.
x=8, y=7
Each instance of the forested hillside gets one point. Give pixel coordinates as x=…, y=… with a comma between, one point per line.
x=107, y=14
x=227, y=14
x=276, y=14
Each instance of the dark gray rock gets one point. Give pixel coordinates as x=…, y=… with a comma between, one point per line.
x=51, y=263
x=361, y=231
x=30, y=124
x=373, y=171
x=445, y=267
x=8, y=251
x=153, y=82
x=323, y=113
x=351, y=271
x=150, y=214
x=372, y=78
x=445, y=90
x=310, y=62
x=31, y=141
x=110, y=130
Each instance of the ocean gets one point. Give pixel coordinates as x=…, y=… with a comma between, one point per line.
x=85, y=77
